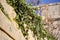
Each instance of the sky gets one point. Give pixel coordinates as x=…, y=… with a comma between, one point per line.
x=49, y=1
x=43, y=1
x=38, y=2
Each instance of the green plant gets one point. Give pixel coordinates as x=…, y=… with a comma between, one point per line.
x=25, y=15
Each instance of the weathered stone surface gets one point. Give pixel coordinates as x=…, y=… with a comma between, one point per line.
x=3, y=36
x=52, y=19
x=51, y=11
x=9, y=26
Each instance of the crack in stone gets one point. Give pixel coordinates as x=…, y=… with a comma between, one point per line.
x=6, y=33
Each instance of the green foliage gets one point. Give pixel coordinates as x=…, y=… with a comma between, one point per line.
x=26, y=15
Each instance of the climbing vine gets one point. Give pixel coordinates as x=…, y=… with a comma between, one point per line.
x=25, y=16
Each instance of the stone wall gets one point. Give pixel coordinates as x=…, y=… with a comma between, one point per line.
x=51, y=14
x=8, y=27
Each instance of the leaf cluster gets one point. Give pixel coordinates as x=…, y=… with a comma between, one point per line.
x=26, y=15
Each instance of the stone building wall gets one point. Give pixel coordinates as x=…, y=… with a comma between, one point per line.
x=51, y=13
x=8, y=27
